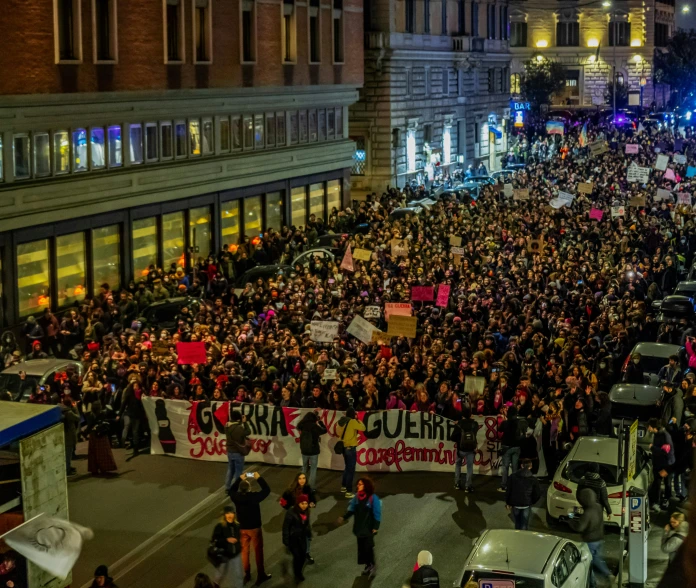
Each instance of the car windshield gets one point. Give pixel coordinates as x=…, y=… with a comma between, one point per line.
x=471, y=579
x=652, y=365
x=631, y=412
x=575, y=470
x=18, y=388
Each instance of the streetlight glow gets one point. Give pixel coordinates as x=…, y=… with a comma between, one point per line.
x=686, y=8
x=606, y=4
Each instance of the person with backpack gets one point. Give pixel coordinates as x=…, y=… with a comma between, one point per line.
x=236, y=430
x=662, y=449
x=523, y=492
x=348, y=428
x=512, y=432
x=311, y=429
x=464, y=435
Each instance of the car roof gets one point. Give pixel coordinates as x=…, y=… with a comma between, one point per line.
x=688, y=285
x=636, y=394
x=595, y=449
x=178, y=299
x=657, y=349
x=38, y=367
x=524, y=552
x=262, y=269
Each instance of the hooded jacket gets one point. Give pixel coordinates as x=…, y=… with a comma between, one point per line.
x=590, y=524
x=351, y=428
x=311, y=428
x=672, y=540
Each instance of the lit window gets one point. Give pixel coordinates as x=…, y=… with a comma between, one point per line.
x=181, y=142
x=144, y=246
x=33, y=271
x=280, y=129
x=333, y=195
x=411, y=150
x=61, y=152
x=106, y=257
x=199, y=231
x=270, y=129
x=68, y=30
x=316, y=200
x=174, y=31
x=515, y=81
x=258, y=131
x=79, y=145
x=252, y=215
x=337, y=31
x=151, y=142
x=208, y=137
x=287, y=32
x=446, y=146
x=229, y=216
x=22, y=163
x=248, y=38
x=225, y=134
x=70, y=268
x=173, y=240
x=97, y=147
x=194, y=137
x=248, y=132
x=298, y=206
x=359, y=157
x=202, y=31
x=315, y=31
x=167, y=140
x=115, y=148
x=42, y=155
x=619, y=31
x=136, y=143
x=274, y=211
x=104, y=21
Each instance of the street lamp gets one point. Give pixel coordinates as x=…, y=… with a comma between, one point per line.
x=686, y=8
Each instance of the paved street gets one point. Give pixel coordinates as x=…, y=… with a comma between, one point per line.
x=153, y=522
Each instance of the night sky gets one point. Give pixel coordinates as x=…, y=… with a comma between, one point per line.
x=688, y=20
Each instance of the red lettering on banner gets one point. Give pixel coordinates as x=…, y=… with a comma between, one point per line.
x=393, y=456
x=206, y=445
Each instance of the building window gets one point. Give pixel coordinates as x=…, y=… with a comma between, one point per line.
x=61, y=152
x=33, y=271
x=359, y=157
x=248, y=38
x=619, y=80
x=274, y=211
x=515, y=81
x=443, y=16
x=316, y=200
x=252, y=216
x=79, y=146
x=410, y=7
x=567, y=34
x=503, y=21
x=22, y=162
x=426, y=17
x=229, y=222
x=70, y=268
x=337, y=31
x=259, y=142
x=499, y=80
x=321, y=125
x=208, y=137
x=181, y=139
x=427, y=134
x=224, y=133
x=331, y=123
x=314, y=31
x=619, y=33
x=461, y=17
x=202, y=31
x=288, y=32
x=491, y=80
x=151, y=142
x=144, y=246
x=194, y=128
x=333, y=195
x=474, y=19
x=280, y=129
x=445, y=81
x=199, y=232
x=174, y=31
x=106, y=257
x=173, y=240
x=237, y=133
x=298, y=206
x=518, y=34
x=491, y=21
x=104, y=25
x=136, y=143
x=312, y=126
x=447, y=145
x=339, y=123
x=661, y=34
x=248, y=132
x=270, y=129
x=303, y=126
x=68, y=30
x=411, y=150
x=293, y=128
x=166, y=140
x=42, y=154
x=97, y=147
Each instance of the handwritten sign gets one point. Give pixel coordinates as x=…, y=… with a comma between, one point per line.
x=662, y=194
x=669, y=174
x=617, y=211
x=323, y=331
x=679, y=158
x=563, y=199
x=372, y=312
x=457, y=251
x=361, y=329
x=635, y=173
x=507, y=190
x=661, y=162
x=399, y=248
x=455, y=241
x=160, y=348
x=632, y=148
x=422, y=293
x=596, y=214
x=443, y=291
x=397, y=308
x=637, y=201
x=474, y=385
x=347, y=263
x=684, y=198
x=330, y=374
x=402, y=326
x=585, y=187
x=598, y=148
x=190, y=353
x=380, y=337
x=362, y=254
x=520, y=194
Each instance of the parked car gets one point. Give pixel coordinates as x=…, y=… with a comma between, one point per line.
x=516, y=166
x=330, y=239
x=304, y=259
x=526, y=559
x=261, y=271
x=655, y=356
x=675, y=309
x=400, y=213
x=634, y=401
x=38, y=373
x=686, y=288
x=481, y=180
x=561, y=495
x=162, y=314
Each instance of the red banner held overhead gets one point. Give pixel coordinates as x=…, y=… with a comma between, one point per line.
x=190, y=353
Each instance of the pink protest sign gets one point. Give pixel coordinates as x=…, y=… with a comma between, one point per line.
x=397, y=308
x=669, y=174
x=190, y=353
x=596, y=214
x=632, y=148
x=443, y=291
x=422, y=293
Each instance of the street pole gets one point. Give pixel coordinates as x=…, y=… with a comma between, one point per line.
x=624, y=448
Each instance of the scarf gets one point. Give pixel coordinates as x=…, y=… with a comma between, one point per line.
x=362, y=495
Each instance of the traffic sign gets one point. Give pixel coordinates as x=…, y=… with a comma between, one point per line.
x=632, y=450
x=496, y=584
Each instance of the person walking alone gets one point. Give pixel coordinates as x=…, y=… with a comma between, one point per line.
x=522, y=493
x=464, y=435
x=236, y=430
x=311, y=429
x=297, y=532
x=592, y=480
x=226, y=536
x=348, y=428
x=248, y=508
x=366, y=510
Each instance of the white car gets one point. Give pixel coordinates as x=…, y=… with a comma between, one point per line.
x=561, y=497
x=526, y=559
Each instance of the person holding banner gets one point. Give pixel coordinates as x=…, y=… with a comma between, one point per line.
x=366, y=509
x=348, y=428
x=311, y=428
x=237, y=432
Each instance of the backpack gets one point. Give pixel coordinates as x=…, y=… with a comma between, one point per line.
x=520, y=431
x=467, y=440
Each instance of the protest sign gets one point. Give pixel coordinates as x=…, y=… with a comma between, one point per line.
x=632, y=148
x=347, y=263
x=520, y=194
x=372, y=312
x=596, y=214
x=635, y=173
x=567, y=196
x=598, y=148
x=507, y=190
x=422, y=293
x=690, y=172
x=190, y=353
x=402, y=326
x=457, y=250
x=661, y=162
x=443, y=291
x=361, y=329
x=474, y=385
x=455, y=241
x=669, y=174
x=585, y=187
x=161, y=348
x=535, y=245
x=380, y=337
x=637, y=201
x=679, y=158
x=663, y=195
x=330, y=374
x=563, y=199
x=362, y=254
x=399, y=248
x=617, y=211
x=397, y=308
x=323, y=331
x=684, y=198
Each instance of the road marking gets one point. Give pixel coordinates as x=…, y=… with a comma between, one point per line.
x=161, y=538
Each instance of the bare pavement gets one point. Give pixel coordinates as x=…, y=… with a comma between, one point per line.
x=153, y=521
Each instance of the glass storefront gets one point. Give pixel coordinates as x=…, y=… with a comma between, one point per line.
x=79, y=146
x=229, y=225
x=106, y=257
x=70, y=268
x=333, y=195
x=61, y=152
x=33, y=277
x=252, y=216
x=199, y=231
x=42, y=155
x=144, y=246
x=173, y=240
x=298, y=206
x=274, y=211
x=316, y=200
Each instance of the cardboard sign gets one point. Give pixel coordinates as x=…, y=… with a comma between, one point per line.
x=422, y=293
x=585, y=187
x=399, y=248
x=330, y=374
x=663, y=195
x=455, y=241
x=457, y=251
x=684, y=198
x=617, y=211
x=563, y=199
x=372, y=312
x=679, y=158
x=598, y=148
x=361, y=329
x=661, y=162
x=402, y=326
x=347, y=263
x=632, y=148
x=637, y=201
x=635, y=173
x=443, y=291
x=669, y=175
x=474, y=385
x=362, y=254
x=596, y=214
x=520, y=194
x=507, y=190
x=323, y=331
x=190, y=353
x=397, y=308
x=535, y=245
x=160, y=348
x=380, y=337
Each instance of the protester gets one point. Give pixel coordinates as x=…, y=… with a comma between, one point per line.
x=226, y=538
x=366, y=510
x=662, y=450
x=311, y=429
x=523, y=492
x=102, y=578
x=512, y=431
x=592, y=480
x=590, y=524
x=464, y=435
x=71, y=422
x=100, y=458
x=297, y=531
x=674, y=534
x=202, y=581
x=425, y=576
x=236, y=431
x=348, y=428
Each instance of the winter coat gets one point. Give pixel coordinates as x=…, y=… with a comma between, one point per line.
x=523, y=489
x=351, y=427
x=310, y=428
x=287, y=500
x=603, y=424
x=425, y=577
x=236, y=435
x=673, y=407
x=661, y=459
x=691, y=353
x=366, y=513
x=512, y=432
x=595, y=483
x=247, y=504
x=296, y=530
x=672, y=540
x=224, y=531
x=590, y=524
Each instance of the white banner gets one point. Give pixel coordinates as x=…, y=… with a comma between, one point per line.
x=639, y=174
x=323, y=331
x=393, y=441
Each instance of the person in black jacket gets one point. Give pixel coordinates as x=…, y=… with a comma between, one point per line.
x=425, y=576
x=522, y=493
x=296, y=534
x=512, y=430
x=602, y=424
x=299, y=487
x=593, y=481
x=464, y=435
x=248, y=508
x=133, y=414
x=663, y=459
x=226, y=537
x=590, y=525
x=634, y=370
x=310, y=428
x=683, y=451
